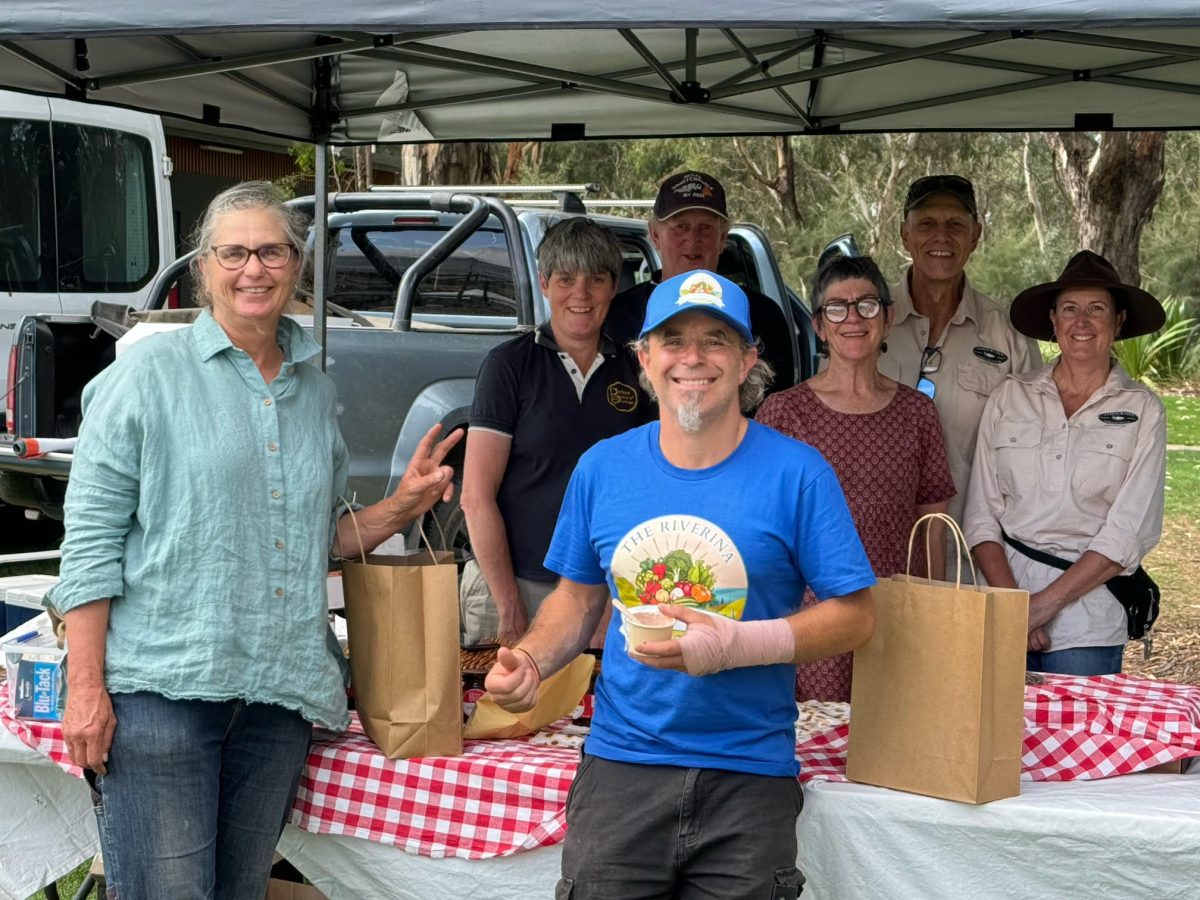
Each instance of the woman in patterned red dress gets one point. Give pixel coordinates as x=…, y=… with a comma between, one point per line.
x=882, y=438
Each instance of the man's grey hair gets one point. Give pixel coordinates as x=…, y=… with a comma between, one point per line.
x=578, y=245
x=240, y=197
x=750, y=392
x=844, y=268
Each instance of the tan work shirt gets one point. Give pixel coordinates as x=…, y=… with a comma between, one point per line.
x=979, y=347
x=1065, y=486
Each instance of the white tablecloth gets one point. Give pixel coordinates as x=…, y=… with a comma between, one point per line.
x=47, y=827
x=1136, y=836
x=1130, y=837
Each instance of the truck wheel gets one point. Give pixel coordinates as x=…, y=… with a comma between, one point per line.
x=449, y=518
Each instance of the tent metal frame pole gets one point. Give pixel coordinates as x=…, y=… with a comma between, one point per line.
x=360, y=112
x=1147, y=84
x=653, y=62
x=1118, y=43
x=500, y=66
x=239, y=77
x=223, y=66
x=1106, y=74
x=764, y=66
x=754, y=61
x=320, y=243
x=689, y=53
x=38, y=63
x=858, y=65
x=947, y=99
x=956, y=58
x=727, y=110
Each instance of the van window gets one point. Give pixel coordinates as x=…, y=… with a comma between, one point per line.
x=475, y=281
x=78, y=208
x=27, y=204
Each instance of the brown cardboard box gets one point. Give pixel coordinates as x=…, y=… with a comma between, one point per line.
x=289, y=890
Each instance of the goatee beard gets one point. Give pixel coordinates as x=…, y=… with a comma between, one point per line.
x=688, y=414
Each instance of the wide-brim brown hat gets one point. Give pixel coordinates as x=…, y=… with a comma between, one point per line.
x=1030, y=311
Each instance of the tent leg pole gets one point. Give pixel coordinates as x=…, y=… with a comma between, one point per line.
x=320, y=244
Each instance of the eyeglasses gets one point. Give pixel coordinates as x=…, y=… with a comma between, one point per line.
x=838, y=310
x=235, y=256
x=931, y=360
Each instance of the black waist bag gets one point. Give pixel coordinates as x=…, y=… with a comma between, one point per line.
x=1137, y=593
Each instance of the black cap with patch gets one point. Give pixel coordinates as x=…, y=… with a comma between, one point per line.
x=690, y=190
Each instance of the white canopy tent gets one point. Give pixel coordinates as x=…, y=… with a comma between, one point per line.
x=372, y=70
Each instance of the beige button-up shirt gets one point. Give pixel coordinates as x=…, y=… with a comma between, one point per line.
x=979, y=347
x=1065, y=486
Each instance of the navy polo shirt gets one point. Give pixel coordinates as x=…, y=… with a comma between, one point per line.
x=524, y=391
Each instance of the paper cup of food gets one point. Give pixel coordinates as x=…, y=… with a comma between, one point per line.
x=644, y=624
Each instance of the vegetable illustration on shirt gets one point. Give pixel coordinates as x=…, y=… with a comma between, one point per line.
x=682, y=560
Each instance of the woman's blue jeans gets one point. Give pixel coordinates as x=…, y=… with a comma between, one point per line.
x=196, y=795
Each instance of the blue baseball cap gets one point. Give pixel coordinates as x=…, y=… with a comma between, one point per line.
x=700, y=290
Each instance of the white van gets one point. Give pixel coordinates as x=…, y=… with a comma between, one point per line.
x=85, y=208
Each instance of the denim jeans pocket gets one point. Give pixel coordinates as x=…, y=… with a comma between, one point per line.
x=789, y=884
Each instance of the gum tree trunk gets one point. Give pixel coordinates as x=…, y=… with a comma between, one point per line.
x=1113, y=182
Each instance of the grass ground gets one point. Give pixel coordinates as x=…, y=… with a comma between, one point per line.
x=1175, y=565
x=1183, y=419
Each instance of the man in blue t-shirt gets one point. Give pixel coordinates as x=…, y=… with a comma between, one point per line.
x=689, y=784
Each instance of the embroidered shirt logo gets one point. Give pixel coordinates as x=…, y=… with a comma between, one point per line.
x=1121, y=417
x=991, y=355
x=622, y=397
x=702, y=289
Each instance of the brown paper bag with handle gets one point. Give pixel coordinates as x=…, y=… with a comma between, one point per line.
x=402, y=631
x=937, y=701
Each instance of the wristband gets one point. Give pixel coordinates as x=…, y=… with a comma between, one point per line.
x=533, y=662
x=721, y=643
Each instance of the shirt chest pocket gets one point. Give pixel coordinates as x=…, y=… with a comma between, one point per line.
x=1102, y=462
x=1015, y=446
x=980, y=380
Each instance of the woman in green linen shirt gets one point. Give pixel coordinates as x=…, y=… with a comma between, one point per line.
x=199, y=523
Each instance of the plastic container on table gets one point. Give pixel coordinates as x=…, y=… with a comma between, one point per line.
x=21, y=598
x=36, y=670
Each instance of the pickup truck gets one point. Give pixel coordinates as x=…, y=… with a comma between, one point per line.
x=420, y=287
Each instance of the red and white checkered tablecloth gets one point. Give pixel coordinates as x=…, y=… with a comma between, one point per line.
x=502, y=797
x=498, y=798
x=1075, y=729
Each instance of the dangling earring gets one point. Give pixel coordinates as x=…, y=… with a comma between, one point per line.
x=883, y=346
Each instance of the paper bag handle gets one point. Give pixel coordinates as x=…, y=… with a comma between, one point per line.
x=362, y=554
x=960, y=543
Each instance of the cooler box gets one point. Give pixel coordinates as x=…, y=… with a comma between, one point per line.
x=21, y=598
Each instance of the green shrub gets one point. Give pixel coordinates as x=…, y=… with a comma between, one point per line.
x=1169, y=353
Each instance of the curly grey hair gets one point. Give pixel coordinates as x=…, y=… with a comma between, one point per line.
x=247, y=195
x=750, y=392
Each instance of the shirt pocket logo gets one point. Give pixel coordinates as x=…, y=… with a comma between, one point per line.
x=1121, y=417
x=991, y=355
x=622, y=397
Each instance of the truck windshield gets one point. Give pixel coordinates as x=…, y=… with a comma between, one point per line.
x=475, y=281
x=77, y=211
